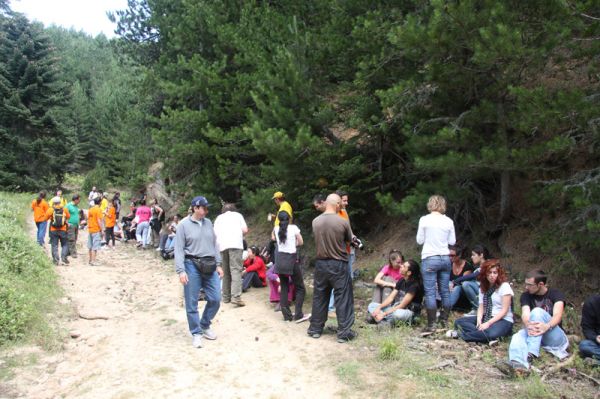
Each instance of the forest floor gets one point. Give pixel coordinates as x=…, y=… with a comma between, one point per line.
x=132, y=342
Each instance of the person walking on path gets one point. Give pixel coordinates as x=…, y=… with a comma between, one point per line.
x=198, y=264
x=230, y=228
x=286, y=265
x=94, y=231
x=332, y=233
x=40, y=207
x=143, y=214
x=110, y=220
x=435, y=233
x=73, y=229
x=58, y=217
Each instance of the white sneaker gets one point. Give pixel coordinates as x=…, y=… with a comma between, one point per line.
x=209, y=334
x=452, y=334
x=473, y=312
x=197, y=341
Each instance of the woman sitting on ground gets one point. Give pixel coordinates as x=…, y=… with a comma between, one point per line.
x=469, y=282
x=460, y=267
x=404, y=302
x=388, y=276
x=255, y=271
x=494, y=315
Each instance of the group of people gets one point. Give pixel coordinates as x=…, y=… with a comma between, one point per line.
x=205, y=254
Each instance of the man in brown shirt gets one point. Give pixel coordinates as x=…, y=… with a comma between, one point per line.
x=332, y=234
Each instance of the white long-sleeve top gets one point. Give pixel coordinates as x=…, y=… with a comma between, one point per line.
x=435, y=233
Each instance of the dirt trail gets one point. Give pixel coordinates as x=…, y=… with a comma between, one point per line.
x=143, y=348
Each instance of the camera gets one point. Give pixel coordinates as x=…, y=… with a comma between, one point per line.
x=357, y=243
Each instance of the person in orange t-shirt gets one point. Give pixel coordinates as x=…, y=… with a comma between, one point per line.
x=40, y=207
x=58, y=217
x=109, y=221
x=94, y=230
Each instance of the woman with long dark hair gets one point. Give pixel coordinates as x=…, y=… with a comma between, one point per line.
x=40, y=208
x=470, y=282
x=494, y=314
x=286, y=264
x=404, y=302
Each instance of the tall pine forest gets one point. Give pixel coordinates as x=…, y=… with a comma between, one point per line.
x=493, y=104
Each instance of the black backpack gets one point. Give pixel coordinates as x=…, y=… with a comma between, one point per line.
x=58, y=218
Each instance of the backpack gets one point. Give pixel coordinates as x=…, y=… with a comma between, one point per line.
x=58, y=218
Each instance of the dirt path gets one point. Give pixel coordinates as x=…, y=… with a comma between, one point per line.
x=142, y=349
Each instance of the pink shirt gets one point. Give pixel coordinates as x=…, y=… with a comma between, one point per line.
x=387, y=270
x=143, y=213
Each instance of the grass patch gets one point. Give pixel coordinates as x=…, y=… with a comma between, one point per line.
x=348, y=372
x=161, y=371
x=28, y=283
x=7, y=364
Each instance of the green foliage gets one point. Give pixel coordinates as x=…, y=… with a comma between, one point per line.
x=34, y=147
x=388, y=350
x=28, y=283
x=97, y=177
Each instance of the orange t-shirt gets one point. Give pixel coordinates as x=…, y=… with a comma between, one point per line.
x=50, y=213
x=94, y=213
x=39, y=210
x=111, y=217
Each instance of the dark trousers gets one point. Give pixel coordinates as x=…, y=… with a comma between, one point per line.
x=110, y=235
x=72, y=234
x=298, y=281
x=55, y=238
x=251, y=279
x=467, y=330
x=332, y=274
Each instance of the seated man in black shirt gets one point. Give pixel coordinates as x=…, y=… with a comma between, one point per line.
x=590, y=324
x=541, y=311
x=410, y=293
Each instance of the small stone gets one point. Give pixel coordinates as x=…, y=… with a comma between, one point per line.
x=256, y=338
x=75, y=333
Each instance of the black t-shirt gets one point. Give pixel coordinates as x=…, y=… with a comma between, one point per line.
x=545, y=301
x=468, y=267
x=404, y=287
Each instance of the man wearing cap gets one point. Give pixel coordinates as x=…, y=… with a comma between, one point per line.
x=73, y=228
x=58, y=216
x=198, y=264
x=283, y=205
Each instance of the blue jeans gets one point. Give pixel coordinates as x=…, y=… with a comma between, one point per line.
x=212, y=290
x=554, y=340
x=41, y=231
x=397, y=315
x=436, y=270
x=589, y=348
x=467, y=330
x=350, y=263
x=141, y=233
x=471, y=290
x=455, y=295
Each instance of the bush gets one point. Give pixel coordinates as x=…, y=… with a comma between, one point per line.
x=97, y=177
x=28, y=282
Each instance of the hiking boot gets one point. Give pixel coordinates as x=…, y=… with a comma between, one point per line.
x=314, y=335
x=298, y=316
x=346, y=338
x=443, y=319
x=65, y=261
x=431, y=316
x=512, y=368
x=238, y=303
x=197, y=341
x=55, y=262
x=209, y=334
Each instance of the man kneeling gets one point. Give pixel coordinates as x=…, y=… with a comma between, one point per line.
x=404, y=302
